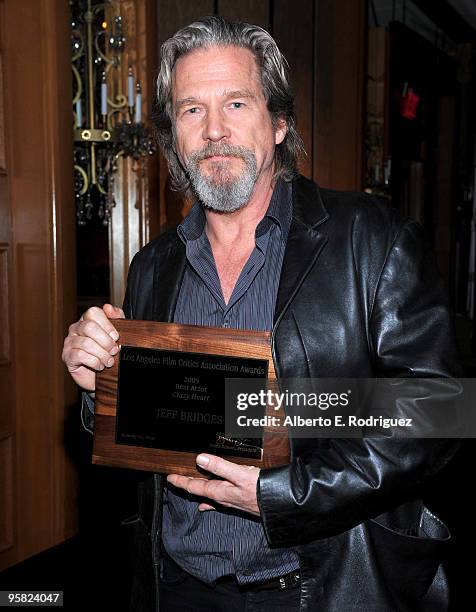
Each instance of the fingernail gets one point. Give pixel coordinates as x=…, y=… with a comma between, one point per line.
x=203, y=460
x=110, y=362
x=114, y=335
x=114, y=350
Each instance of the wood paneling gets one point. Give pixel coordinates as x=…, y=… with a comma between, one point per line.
x=5, y=224
x=172, y=16
x=294, y=33
x=7, y=391
x=2, y=118
x=2, y=113
x=34, y=433
x=339, y=110
x=4, y=308
x=41, y=274
x=251, y=11
x=6, y=489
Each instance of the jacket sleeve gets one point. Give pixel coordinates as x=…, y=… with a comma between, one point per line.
x=87, y=412
x=344, y=482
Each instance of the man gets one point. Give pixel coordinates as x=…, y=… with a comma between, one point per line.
x=347, y=289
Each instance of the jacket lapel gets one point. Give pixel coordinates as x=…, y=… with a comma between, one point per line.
x=168, y=274
x=305, y=242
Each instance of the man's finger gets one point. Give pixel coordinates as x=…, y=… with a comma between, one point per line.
x=221, y=467
x=180, y=481
x=188, y=483
x=99, y=316
x=205, y=507
x=96, y=331
x=84, y=344
x=201, y=487
x=113, y=312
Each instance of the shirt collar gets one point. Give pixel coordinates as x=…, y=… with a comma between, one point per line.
x=279, y=212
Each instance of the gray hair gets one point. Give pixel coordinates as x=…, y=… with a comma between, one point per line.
x=217, y=32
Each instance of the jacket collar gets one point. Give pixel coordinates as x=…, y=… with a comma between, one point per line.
x=305, y=242
x=308, y=207
x=169, y=269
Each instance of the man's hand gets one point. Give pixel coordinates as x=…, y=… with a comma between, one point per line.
x=90, y=345
x=237, y=490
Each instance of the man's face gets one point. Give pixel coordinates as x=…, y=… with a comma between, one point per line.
x=224, y=136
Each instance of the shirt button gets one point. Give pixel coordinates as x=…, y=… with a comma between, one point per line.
x=225, y=324
x=247, y=572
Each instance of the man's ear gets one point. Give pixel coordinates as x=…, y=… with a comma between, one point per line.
x=280, y=130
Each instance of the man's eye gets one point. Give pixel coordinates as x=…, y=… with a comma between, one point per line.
x=192, y=111
x=237, y=104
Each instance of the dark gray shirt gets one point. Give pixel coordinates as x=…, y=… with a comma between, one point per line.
x=212, y=544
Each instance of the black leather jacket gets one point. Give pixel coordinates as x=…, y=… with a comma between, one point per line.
x=359, y=296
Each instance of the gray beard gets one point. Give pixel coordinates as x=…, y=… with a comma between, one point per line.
x=221, y=191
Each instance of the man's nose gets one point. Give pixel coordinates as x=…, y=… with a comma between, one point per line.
x=216, y=127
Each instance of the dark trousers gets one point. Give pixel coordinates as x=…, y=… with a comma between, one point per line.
x=181, y=592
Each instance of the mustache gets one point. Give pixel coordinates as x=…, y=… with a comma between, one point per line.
x=217, y=149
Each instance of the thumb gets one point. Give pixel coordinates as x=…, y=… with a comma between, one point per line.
x=113, y=312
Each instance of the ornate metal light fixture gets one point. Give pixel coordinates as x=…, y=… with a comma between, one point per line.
x=107, y=122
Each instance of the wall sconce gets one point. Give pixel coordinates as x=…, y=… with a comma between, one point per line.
x=107, y=123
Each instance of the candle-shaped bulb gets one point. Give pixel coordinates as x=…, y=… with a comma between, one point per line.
x=103, y=95
x=79, y=113
x=130, y=88
x=138, y=113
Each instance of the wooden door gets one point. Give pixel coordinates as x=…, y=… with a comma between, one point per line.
x=7, y=398
x=37, y=277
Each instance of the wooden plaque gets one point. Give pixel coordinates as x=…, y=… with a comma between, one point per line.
x=147, y=343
